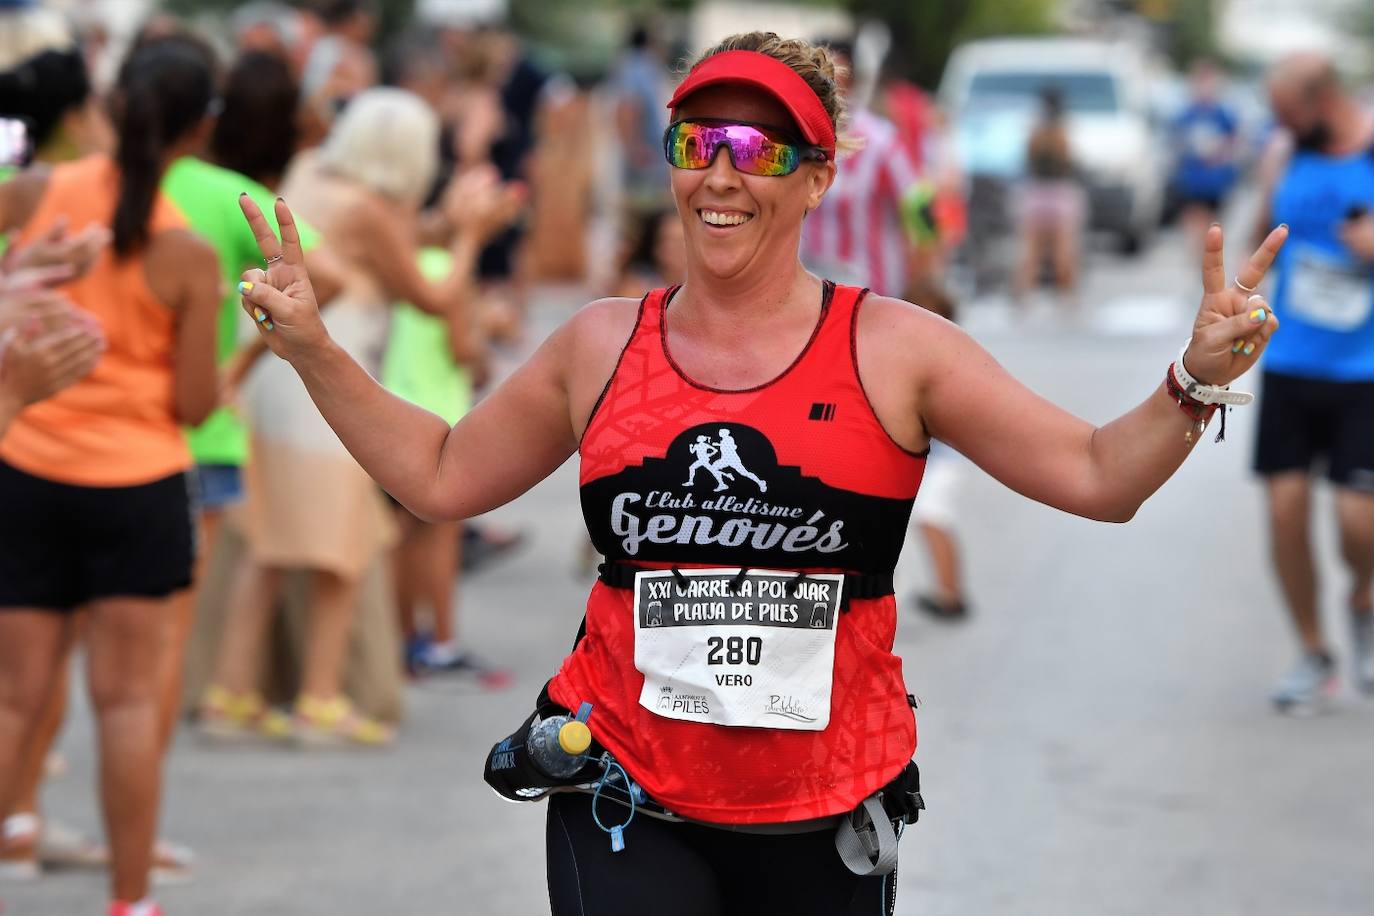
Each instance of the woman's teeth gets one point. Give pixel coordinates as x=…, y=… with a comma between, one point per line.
x=716, y=218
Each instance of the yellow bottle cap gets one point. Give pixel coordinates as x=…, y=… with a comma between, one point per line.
x=575, y=737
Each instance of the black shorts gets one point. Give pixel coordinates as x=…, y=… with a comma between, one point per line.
x=1313, y=424
x=1213, y=201
x=675, y=869
x=62, y=546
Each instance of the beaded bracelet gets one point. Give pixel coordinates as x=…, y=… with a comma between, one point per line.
x=1197, y=411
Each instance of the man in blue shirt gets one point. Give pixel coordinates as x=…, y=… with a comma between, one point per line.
x=1204, y=137
x=1317, y=412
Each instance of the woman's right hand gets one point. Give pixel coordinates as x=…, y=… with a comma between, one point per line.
x=58, y=248
x=47, y=346
x=280, y=299
x=478, y=205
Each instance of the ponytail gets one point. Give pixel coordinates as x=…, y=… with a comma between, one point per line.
x=164, y=89
x=140, y=165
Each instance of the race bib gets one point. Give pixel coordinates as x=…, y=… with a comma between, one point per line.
x=1327, y=290
x=755, y=650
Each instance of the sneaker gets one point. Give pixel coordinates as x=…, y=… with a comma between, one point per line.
x=142, y=908
x=416, y=648
x=944, y=611
x=224, y=717
x=19, y=848
x=335, y=723
x=1308, y=686
x=448, y=659
x=1364, y=653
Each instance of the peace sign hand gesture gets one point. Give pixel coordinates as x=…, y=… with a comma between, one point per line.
x=280, y=299
x=1234, y=323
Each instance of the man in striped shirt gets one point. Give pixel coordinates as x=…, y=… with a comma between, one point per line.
x=856, y=236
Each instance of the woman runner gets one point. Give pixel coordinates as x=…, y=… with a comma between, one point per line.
x=832, y=397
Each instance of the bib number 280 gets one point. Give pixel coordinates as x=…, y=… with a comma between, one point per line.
x=700, y=636
x=734, y=650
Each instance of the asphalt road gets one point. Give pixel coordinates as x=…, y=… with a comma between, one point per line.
x=1095, y=741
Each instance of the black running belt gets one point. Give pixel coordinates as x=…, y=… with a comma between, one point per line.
x=856, y=585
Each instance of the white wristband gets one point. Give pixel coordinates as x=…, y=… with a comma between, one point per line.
x=1207, y=394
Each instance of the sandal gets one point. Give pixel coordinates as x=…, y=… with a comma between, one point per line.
x=227, y=717
x=19, y=848
x=60, y=846
x=172, y=863
x=335, y=723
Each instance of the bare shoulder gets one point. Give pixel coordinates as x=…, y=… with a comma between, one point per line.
x=182, y=268
x=365, y=209
x=594, y=335
x=895, y=328
x=904, y=353
x=182, y=248
x=588, y=347
x=603, y=323
x=355, y=215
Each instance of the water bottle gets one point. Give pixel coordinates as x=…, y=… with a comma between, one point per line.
x=558, y=745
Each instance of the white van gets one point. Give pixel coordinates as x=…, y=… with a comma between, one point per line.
x=991, y=94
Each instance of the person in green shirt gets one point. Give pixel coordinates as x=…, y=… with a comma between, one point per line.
x=237, y=159
x=419, y=366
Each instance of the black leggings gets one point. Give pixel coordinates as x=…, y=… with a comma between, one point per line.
x=674, y=869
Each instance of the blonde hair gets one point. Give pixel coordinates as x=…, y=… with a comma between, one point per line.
x=813, y=63
x=387, y=139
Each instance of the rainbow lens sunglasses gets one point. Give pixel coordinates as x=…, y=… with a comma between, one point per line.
x=755, y=149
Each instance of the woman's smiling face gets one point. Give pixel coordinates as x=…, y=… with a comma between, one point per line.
x=733, y=221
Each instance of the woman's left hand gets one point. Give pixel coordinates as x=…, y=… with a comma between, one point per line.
x=280, y=299
x=1233, y=326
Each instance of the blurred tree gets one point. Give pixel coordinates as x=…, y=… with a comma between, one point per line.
x=924, y=32
x=1188, y=28
x=392, y=14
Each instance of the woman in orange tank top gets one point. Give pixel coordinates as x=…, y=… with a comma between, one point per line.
x=754, y=412
x=97, y=513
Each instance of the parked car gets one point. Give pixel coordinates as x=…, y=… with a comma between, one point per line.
x=991, y=93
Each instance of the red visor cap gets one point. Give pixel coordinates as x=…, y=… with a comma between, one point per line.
x=754, y=68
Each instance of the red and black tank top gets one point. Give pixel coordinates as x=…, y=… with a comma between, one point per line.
x=795, y=474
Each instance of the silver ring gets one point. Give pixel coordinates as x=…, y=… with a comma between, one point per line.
x=1239, y=285
x=277, y=257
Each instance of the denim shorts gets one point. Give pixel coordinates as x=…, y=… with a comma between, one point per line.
x=217, y=486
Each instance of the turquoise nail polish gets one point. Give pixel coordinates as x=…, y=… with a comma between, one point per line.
x=1258, y=316
x=245, y=287
x=1235, y=347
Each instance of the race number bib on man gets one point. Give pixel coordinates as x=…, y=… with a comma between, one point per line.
x=1329, y=291
x=756, y=649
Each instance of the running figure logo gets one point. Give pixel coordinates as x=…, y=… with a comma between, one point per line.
x=726, y=465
